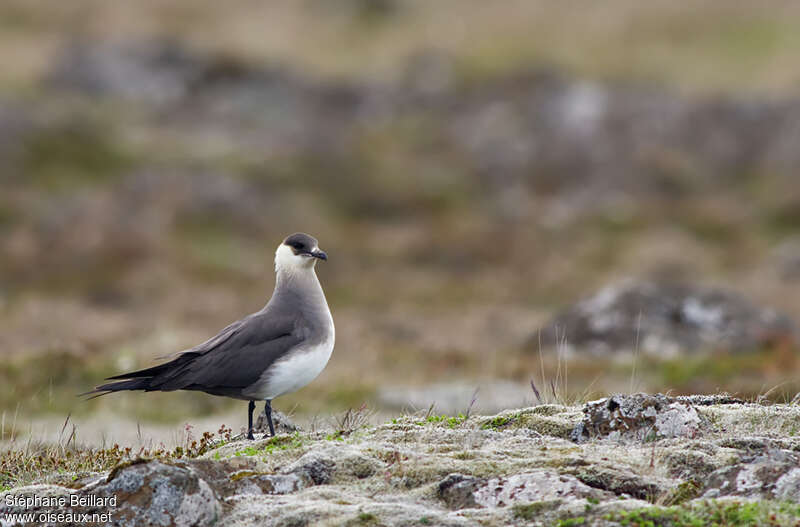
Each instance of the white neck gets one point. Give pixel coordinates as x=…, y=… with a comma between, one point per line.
x=291, y=267
x=295, y=278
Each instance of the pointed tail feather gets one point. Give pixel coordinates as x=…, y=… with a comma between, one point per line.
x=105, y=389
x=157, y=370
x=141, y=379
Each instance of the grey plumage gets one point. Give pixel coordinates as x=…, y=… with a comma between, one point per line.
x=273, y=351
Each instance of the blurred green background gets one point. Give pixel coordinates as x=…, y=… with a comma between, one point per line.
x=472, y=168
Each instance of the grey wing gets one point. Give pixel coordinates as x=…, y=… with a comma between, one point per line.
x=235, y=358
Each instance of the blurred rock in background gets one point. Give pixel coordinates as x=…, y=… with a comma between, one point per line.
x=667, y=320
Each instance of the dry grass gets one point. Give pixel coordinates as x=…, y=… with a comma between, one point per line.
x=710, y=46
x=66, y=461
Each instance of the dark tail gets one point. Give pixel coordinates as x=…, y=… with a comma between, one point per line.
x=105, y=389
x=141, y=379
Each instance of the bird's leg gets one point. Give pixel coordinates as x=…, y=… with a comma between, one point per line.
x=250, y=408
x=268, y=412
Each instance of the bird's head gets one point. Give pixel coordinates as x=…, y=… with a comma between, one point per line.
x=297, y=252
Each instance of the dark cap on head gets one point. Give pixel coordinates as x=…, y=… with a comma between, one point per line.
x=302, y=243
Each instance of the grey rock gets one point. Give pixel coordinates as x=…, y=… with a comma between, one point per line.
x=458, y=491
x=619, y=481
x=161, y=494
x=272, y=483
x=666, y=321
x=326, y=463
x=710, y=400
x=639, y=417
x=539, y=485
x=148, y=71
x=146, y=493
x=773, y=475
x=318, y=471
x=689, y=464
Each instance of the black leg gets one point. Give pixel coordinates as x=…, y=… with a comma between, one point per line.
x=250, y=408
x=268, y=411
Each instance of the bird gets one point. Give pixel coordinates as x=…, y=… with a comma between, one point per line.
x=269, y=353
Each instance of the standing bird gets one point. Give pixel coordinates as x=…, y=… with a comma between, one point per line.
x=272, y=352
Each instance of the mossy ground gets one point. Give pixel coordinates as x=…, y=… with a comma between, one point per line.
x=408, y=456
x=713, y=513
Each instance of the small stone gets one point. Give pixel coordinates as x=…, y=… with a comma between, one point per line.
x=457, y=491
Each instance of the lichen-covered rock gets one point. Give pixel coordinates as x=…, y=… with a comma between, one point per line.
x=638, y=417
x=772, y=475
x=270, y=483
x=621, y=481
x=547, y=419
x=540, y=485
x=334, y=462
x=689, y=464
x=458, y=491
x=162, y=494
x=710, y=400
x=144, y=493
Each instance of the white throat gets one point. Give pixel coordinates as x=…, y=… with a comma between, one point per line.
x=290, y=264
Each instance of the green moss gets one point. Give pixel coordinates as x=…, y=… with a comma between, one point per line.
x=446, y=420
x=712, y=513
x=335, y=436
x=551, y=426
x=363, y=518
x=280, y=443
x=498, y=422
x=236, y=476
x=530, y=511
x=273, y=444
x=549, y=409
x=125, y=464
x=247, y=451
x=688, y=490
x=571, y=522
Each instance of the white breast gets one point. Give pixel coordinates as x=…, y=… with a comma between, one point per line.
x=294, y=371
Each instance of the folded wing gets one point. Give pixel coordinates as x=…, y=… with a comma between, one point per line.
x=224, y=365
